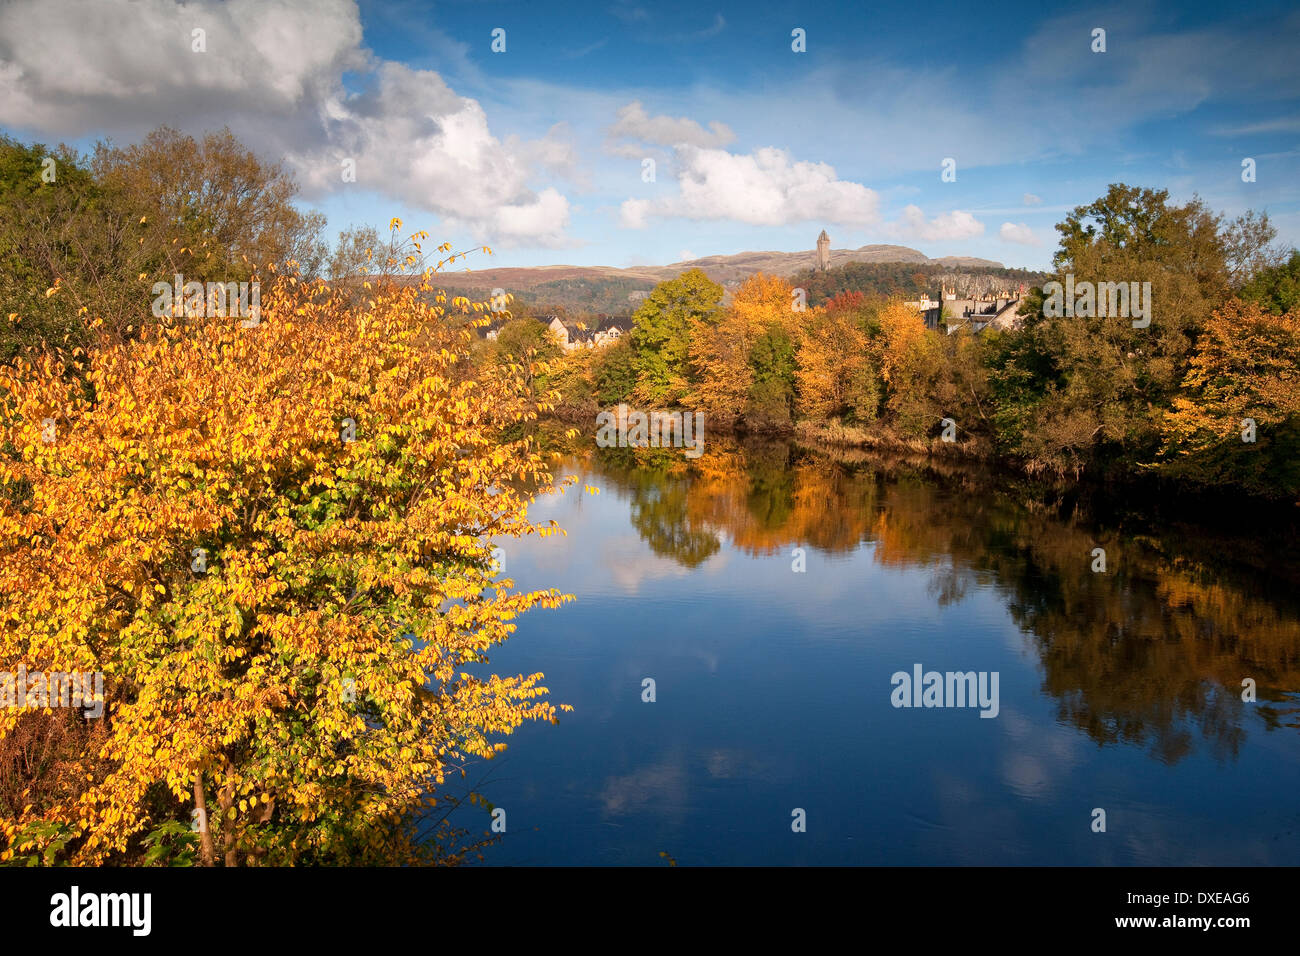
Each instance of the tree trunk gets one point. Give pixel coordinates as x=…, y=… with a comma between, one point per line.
x=207, y=852
x=227, y=800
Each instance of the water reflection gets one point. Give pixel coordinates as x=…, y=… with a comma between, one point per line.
x=1153, y=651
x=1120, y=690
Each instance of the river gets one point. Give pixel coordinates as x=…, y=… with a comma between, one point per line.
x=777, y=596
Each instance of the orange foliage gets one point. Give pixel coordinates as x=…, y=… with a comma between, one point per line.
x=721, y=352
x=275, y=544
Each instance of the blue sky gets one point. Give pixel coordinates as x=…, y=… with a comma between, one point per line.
x=540, y=151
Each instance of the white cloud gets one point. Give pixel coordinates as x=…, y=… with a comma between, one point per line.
x=539, y=219
x=1019, y=233
x=273, y=72
x=1285, y=124
x=635, y=123
x=583, y=51
x=633, y=212
x=1032, y=200
x=73, y=64
x=957, y=224
x=629, y=13
x=416, y=140
x=555, y=151
x=719, y=24
x=763, y=188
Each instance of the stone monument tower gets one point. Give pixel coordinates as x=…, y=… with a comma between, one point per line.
x=823, y=251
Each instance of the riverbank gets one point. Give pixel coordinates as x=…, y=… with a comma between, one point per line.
x=838, y=438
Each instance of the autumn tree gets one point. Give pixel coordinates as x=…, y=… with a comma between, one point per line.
x=1084, y=392
x=216, y=195
x=835, y=376
x=1236, y=421
x=745, y=361
x=102, y=230
x=275, y=543
x=901, y=332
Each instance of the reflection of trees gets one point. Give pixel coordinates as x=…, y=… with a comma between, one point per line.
x=768, y=496
x=1151, y=653
x=660, y=517
x=658, y=488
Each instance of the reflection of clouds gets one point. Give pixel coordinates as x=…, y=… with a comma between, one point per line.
x=948, y=583
x=723, y=764
x=731, y=764
x=1154, y=837
x=1027, y=776
x=1037, y=758
x=663, y=785
x=710, y=659
x=621, y=563
x=1014, y=725
x=628, y=564
x=968, y=828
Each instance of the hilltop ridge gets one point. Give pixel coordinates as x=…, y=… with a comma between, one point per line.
x=726, y=269
x=613, y=289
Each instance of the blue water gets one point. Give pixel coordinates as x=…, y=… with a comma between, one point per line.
x=773, y=687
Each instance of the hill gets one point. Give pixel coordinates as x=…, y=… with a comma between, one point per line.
x=618, y=291
x=912, y=278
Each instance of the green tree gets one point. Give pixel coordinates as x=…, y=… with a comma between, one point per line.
x=527, y=343
x=44, y=232
x=615, y=372
x=661, y=335
x=1276, y=288
x=772, y=360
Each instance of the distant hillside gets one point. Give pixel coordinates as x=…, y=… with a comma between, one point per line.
x=910, y=279
x=732, y=270
x=619, y=291
x=612, y=294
